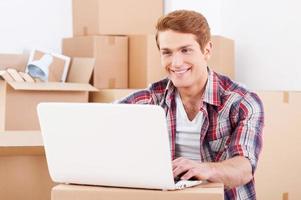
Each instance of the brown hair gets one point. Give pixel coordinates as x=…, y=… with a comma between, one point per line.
x=185, y=21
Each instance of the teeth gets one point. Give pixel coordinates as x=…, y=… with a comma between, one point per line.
x=181, y=71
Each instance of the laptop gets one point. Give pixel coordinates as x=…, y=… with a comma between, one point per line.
x=121, y=145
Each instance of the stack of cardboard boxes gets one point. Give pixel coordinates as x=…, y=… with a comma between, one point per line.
x=120, y=36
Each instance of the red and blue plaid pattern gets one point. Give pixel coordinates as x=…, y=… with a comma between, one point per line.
x=232, y=126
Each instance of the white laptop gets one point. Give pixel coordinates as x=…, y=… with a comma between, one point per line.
x=118, y=145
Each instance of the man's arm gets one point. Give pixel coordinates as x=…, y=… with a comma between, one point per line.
x=243, y=150
x=233, y=172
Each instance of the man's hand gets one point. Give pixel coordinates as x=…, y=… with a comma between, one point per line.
x=233, y=172
x=188, y=169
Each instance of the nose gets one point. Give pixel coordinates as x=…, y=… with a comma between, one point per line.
x=177, y=60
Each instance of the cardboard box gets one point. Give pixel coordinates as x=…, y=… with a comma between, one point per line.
x=278, y=172
x=115, y=17
x=111, y=58
x=212, y=191
x=109, y=95
x=23, y=169
x=24, y=177
x=144, y=61
x=18, y=100
x=222, y=59
x=21, y=143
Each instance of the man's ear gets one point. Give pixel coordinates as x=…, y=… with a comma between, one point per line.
x=208, y=50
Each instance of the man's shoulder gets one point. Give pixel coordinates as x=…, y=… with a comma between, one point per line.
x=149, y=95
x=231, y=89
x=159, y=87
x=229, y=86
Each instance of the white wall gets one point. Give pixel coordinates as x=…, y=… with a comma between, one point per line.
x=28, y=24
x=268, y=44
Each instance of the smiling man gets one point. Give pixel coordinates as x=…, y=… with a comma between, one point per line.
x=215, y=125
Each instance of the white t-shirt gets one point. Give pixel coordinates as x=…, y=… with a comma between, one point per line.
x=187, y=133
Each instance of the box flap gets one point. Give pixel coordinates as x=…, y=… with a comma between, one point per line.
x=16, y=61
x=81, y=70
x=26, y=77
x=15, y=75
x=51, y=86
x=5, y=75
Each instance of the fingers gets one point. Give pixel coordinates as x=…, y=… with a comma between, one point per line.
x=191, y=173
x=179, y=170
x=178, y=161
x=187, y=169
x=181, y=166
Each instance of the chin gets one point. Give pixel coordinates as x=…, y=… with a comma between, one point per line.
x=180, y=84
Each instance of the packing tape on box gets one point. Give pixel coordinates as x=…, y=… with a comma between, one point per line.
x=285, y=97
x=85, y=30
x=111, y=40
x=112, y=83
x=285, y=196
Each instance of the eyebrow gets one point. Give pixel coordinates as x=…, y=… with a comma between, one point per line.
x=182, y=47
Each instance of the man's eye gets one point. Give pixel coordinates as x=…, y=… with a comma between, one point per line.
x=166, y=53
x=185, y=50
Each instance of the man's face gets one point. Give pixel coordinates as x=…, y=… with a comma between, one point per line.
x=183, y=59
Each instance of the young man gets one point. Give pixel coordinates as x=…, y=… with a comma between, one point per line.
x=215, y=125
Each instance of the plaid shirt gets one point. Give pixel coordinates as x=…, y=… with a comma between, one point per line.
x=232, y=126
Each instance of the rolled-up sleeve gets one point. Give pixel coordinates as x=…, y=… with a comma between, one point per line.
x=247, y=136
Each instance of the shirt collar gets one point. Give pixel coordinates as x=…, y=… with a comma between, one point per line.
x=211, y=92
x=169, y=93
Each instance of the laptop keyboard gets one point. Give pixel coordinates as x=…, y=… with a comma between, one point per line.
x=181, y=184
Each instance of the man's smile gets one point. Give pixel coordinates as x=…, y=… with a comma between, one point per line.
x=180, y=71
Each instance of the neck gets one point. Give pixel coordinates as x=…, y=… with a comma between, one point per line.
x=194, y=93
